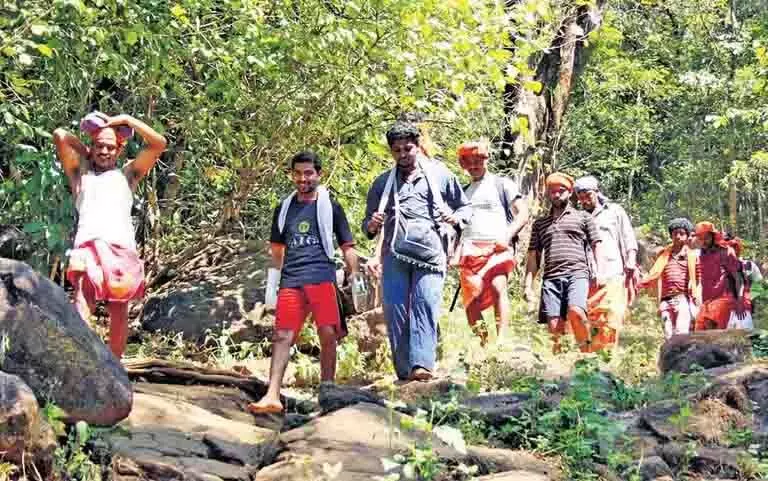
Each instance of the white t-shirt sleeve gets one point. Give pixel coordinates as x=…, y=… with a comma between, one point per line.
x=754, y=273
x=510, y=187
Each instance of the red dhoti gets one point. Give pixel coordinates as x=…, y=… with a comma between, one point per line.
x=480, y=262
x=716, y=313
x=108, y=272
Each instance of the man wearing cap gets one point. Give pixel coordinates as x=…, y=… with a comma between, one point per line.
x=563, y=238
x=674, y=277
x=487, y=252
x=615, y=271
x=104, y=264
x=717, y=270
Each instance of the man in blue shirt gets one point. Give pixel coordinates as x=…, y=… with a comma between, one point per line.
x=417, y=204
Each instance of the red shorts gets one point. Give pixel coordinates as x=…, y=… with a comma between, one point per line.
x=294, y=303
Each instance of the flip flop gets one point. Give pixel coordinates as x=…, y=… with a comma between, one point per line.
x=254, y=408
x=421, y=374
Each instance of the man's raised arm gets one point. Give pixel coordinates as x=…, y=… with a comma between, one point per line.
x=70, y=150
x=146, y=159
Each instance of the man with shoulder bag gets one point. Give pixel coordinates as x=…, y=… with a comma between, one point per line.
x=415, y=204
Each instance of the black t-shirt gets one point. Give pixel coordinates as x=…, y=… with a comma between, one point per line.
x=305, y=260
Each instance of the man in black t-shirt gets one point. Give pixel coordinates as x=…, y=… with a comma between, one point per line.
x=303, y=227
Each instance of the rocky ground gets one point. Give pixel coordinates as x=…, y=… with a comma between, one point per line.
x=505, y=414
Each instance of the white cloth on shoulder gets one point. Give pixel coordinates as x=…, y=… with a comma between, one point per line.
x=324, y=217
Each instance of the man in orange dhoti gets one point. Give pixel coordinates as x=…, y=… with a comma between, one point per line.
x=487, y=252
x=104, y=264
x=616, y=274
x=717, y=270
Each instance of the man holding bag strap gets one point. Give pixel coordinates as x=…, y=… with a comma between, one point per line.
x=488, y=249
x=415, y=203
x=303, y=228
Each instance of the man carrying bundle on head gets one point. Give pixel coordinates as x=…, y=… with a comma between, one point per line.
x=718, y=272
x=487, y=252
x=104, y=264
x=616, y=273
x=674, y=277
x=414, y=203
x=563, y=238
x=301, y=243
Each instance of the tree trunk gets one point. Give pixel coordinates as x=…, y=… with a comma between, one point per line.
x=534, y=148
x=760, y=221
x=733, y=207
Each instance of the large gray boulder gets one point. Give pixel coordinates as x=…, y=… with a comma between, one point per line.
x=705, y=349
x=215, y=291
x=48, y=345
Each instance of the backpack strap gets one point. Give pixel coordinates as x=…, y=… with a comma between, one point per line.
x=503, y=197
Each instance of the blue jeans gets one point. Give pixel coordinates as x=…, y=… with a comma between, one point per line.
x=412, y=299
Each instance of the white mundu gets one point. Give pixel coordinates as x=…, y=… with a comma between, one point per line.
x=104, y=209
x=489, y=216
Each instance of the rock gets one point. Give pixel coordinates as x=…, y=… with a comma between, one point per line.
x=333, y=397
x=514, y=476
x=495, y=460
x=14, y=244
x=54, y=351
x=710, y=420
x=214, y=291
x=24, y=435
x=411, y=392
x=707, y=461
x=153, y=412
x=355, y=439
x=653, y=467
x=169, y=438
x=496, y=409
x=708, y=349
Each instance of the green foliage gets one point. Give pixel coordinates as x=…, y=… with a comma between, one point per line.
x=73, y=460
x=55, y=416
x=670, y=111
x=7, y=470
x=238, y=87
x=224, y=351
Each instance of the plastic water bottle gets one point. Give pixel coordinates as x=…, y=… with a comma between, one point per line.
x=273, y=284
x=359, y=293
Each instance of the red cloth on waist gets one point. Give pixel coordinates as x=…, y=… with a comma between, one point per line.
x=113, y=273
x=497, y=259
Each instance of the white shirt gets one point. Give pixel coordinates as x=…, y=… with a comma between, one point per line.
x=617, y=238
x=104, y=209
x=489, y=216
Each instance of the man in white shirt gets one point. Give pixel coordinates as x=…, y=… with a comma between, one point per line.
x=616, y=273
x=487, y=253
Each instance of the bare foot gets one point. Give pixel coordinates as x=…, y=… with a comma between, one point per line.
x=265, y=406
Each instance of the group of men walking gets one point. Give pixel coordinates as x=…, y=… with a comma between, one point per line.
x=425, y=222
x=701, y=281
